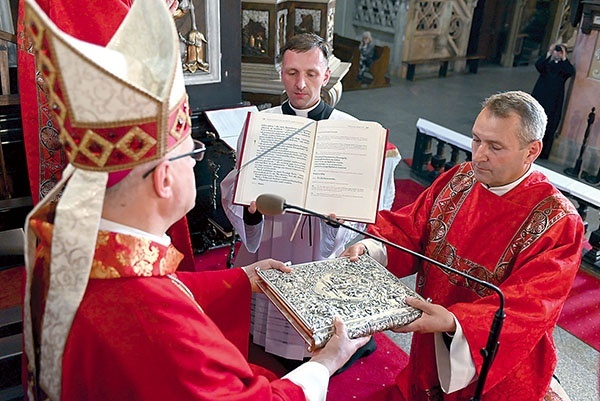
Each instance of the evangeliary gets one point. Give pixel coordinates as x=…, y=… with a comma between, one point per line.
x=364, y=294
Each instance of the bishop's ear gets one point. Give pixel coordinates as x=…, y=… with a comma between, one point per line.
x=162, y=179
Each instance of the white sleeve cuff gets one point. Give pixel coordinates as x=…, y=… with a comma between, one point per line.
x=376, y=250
x=328, y=236
x=456, y=369
x=313, y=378
x=253, y=236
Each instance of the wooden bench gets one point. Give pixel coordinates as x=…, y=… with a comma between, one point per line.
x=472, y=64
x=585, y=195
x=346, y=49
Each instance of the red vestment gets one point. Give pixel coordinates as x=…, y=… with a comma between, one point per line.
x=528, y=242
x=138, y=334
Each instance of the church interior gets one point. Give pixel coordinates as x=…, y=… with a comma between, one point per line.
x=434, y=64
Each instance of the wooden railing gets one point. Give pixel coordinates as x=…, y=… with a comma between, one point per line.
x=438, y=149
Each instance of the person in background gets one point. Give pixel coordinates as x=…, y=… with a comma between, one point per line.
x=554, y=68
x=106, y=314
x=304, y=70
x=367, y=54
x=498, y=219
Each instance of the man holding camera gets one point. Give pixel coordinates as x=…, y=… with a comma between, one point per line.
x=549, y=89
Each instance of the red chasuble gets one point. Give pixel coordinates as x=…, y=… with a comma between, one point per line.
x=145, y=332
x=528, y=242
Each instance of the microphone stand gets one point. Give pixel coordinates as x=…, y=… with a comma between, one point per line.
x=489, y=351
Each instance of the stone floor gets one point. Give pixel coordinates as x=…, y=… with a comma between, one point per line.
x=454, y=102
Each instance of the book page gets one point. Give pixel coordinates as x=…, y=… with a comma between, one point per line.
x=347, y=168
x=275, y=157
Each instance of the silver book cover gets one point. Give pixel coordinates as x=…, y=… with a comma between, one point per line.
x=364, y=294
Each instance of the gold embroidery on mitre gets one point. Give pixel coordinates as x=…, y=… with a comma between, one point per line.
x=35, y=27
x=47, y=68
x=142, y=140
x=95, y=148
x=68, y=143
x=182, y=121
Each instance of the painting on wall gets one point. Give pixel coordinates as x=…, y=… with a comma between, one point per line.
x=307, y=21
x=255, y=33
x=282, y=20
x=198, y=27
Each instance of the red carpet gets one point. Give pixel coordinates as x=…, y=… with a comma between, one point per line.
x=581, y=313
x=406, y=192
x=369, y=378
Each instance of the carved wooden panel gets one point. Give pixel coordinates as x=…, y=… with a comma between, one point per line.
x=379, y=13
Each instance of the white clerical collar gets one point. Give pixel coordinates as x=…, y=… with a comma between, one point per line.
x=303, y=112
x=107, y=225
x=501, y=190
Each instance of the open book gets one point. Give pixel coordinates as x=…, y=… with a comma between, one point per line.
x=364, y=294
x=329, y=166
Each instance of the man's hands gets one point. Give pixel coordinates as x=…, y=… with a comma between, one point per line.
x=339, y=348
x=333, y=217
x=557, y=52
x=354, y=251
x=252, y=207
x=263, y=265
x=435, y=319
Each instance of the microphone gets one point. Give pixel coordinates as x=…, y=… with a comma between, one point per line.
x=273, y=205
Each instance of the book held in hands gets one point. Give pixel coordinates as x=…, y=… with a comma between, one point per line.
x=364, y=294
x=329, y=166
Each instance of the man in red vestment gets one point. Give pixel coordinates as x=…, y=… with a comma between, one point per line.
x=106, y=314
x=498, y=219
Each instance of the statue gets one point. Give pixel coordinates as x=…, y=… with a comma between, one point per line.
x=195, y=43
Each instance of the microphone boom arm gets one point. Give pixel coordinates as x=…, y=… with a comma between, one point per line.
x=489, y=352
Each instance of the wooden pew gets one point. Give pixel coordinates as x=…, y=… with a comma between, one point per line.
x=472, y=64
x=346, y=49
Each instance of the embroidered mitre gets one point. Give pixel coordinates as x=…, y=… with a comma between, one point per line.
x=117, y=106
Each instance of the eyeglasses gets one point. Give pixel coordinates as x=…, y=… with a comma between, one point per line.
x=196, y=154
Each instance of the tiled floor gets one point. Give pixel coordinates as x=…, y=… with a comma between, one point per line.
x=454, y=102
